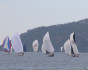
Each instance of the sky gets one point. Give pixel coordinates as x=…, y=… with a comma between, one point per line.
x=22, y=15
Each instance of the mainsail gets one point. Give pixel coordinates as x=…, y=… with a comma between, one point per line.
x=7, y=45
x=35, y=45
x=17, y=44
x=47, y=43
x=73, y=43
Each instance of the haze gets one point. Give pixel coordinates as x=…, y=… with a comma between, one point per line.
x=22, y=15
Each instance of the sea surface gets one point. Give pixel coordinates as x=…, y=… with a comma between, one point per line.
x=39, y=61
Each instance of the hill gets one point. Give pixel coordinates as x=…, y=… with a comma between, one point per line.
x=58, y=34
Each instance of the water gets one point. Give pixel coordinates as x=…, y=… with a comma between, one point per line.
x=31, y=61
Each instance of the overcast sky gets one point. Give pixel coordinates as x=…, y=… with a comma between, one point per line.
x=22, y=15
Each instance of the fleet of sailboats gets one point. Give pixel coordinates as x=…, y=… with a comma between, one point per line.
x=69, y=47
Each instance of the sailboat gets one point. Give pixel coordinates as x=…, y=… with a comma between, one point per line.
x=73, y=45
x=70, y=46
x=7, y=45
x=17, y=44
x=48, y=45
x=61, y=49
x=43, y=49
x=35, y=45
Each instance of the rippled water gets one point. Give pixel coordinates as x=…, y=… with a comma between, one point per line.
x=31, y=61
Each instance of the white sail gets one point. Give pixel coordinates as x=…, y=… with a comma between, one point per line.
x=35, y=45
x=73, y=44
x=67, y=47
x=61, y=49
x=43, y=49
x=47, y=43
x=16, y=43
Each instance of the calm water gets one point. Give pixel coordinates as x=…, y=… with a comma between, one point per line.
x=31, y=61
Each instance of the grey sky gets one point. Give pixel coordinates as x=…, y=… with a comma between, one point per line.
x=21, y=15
